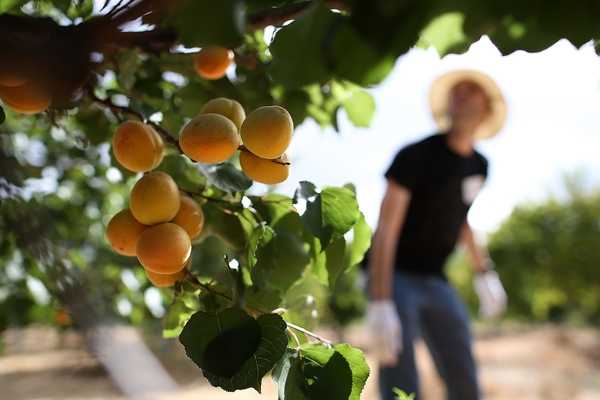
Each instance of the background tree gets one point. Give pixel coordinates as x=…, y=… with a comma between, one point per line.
x=97, y=64
x=547, y=254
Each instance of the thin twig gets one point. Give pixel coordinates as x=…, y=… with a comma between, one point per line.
x=327, y=342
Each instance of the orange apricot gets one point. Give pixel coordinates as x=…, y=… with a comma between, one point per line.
x=137, y=146
x=267, y=131
x=211, y=62
x=263, y=170
x=123, y=231
x=226, y=107
x=164, y=248
x=28, y=98
x=209, y=138
x=154, y=198
x=190, y=216
x=164, y=280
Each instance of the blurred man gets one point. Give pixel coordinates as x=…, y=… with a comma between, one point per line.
x=431, y=185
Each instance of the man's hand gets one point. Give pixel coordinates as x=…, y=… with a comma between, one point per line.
x=491, y=294
x=386, y=330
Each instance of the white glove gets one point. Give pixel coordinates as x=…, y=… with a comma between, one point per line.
x=386, y=331
x=491, y=294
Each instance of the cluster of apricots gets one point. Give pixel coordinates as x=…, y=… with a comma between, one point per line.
x=160, y=222
x=21, y=94
x=222, y=125
x=157, y=227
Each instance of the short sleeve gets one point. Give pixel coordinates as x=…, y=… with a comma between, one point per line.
x=407, y=168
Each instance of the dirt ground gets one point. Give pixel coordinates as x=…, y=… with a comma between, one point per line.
x=515, y=362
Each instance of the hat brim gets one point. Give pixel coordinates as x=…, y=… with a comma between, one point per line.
x=439, y=99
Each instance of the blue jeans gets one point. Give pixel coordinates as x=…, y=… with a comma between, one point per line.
x=428, y=306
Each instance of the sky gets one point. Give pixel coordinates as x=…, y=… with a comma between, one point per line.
x=553, y=128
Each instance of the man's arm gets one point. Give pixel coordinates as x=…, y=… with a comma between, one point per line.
x=383, y=249
x=477, y=254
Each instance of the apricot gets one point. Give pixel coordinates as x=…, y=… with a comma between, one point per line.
x=209, y=138
x=164, y=248
x=263, y=170
x=190, y=216
x=137, y=146
x=12, y=78
x=28, y=98
x=211, y=62
x=123, y=231
x=154, y=198
x=267, y=131
x=164, y=280
x=226, y=107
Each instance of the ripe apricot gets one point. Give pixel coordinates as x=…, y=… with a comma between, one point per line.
x=137, y=146
x=164, y=280
x=154, y=198
x=12, y=78
x=123, y=231
x=226, y=107
x=267, y=131
x=209, y=138
x=28, y=98
x=263, y=170
x=164, y=248
x=190, y=216
x=211, y=62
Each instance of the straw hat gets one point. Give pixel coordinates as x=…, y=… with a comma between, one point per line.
x=439, y=99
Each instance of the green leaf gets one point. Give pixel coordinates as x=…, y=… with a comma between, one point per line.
x=298, y=50
x=330, y=263
x=226, y=226
x=10, y=5
x=360, y=107
x=329, y=213
x=335, y=260
x=445, y=33
x=225, y=176
x=127, y=69
x=238, y=286
x=203, y=22
x=361, y=241
x=176, y=317
x=234, y=350
x=221, y=343
x=263, y=299
x=357, y=61
x=318, y=372
x=358, y=364
x=287, y=261
x=289, y=377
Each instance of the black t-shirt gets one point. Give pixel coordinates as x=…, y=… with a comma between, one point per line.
x=443, y=186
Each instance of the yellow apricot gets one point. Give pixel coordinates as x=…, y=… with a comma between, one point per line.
x=267, y=131
x=164, y=248
x=209, y=138
x=190, y=216
x=226, y=107
x=164, y=280
x=211, y=62
x=137, y=146
x=28, y=98
x=263, y=170
x=154, y=198
x=123, y=231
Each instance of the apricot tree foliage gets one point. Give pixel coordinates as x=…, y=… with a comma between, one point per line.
x=246, y=306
